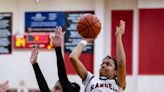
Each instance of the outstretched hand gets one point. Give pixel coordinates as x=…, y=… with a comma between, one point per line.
x=58, y=38
x=120, y=30
x=4, y=86
x=34, y=54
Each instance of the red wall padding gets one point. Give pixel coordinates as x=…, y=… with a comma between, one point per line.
x=127, y=16
x=86, y=58
x=151, y=41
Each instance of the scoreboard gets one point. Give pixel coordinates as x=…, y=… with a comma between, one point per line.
x=30, y=39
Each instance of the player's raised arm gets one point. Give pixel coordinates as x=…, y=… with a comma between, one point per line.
x=76, y=62
x=57, y=42
x=38, y=74
x=120, y=54
x=89, y=27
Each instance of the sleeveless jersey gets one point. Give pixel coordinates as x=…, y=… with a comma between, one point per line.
x=93, y=84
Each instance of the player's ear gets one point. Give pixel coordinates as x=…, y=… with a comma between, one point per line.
x=115, y=73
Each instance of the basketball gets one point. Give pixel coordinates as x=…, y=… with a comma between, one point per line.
x=88, y=26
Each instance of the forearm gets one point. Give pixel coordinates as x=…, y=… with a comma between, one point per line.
x=77, y=64
x=121, y=58
x=77, y=51
x=60, y=65
x=40, y=78
x=120, y=52
x=66, y=85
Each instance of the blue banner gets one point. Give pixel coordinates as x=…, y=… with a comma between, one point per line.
x=43, y=21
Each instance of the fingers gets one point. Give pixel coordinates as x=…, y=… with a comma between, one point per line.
x=52, y=37
x=63, y=33
x=35, y=51
x=120, y=29
x=34, y=54
x=6, y=82
x=122, y=24
x=58, y=30
x=117, y=27
x=4, y=86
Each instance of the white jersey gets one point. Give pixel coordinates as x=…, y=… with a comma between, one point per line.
x=93, y=84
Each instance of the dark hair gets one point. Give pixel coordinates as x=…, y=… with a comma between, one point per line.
x=76, y=86
x=114, y=60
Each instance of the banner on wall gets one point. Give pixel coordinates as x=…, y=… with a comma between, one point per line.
x=5, y=33
x=43, y=21
x=151, y=46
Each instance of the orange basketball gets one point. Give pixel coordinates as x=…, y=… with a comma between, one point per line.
x=89, y=26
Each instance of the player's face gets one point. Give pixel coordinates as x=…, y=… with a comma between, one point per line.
x=107, y=68
x=57, y=87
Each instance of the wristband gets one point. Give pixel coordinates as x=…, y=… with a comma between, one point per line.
x=84, y=42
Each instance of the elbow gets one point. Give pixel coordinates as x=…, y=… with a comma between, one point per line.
x=72, y=57
x=123, y=85
x=121, y=62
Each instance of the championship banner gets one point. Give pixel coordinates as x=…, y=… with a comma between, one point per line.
x=5, y=33
x=43, y=21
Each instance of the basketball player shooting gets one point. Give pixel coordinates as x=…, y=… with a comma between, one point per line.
x=112, y=70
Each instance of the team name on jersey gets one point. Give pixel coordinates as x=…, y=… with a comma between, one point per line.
x=103, y=85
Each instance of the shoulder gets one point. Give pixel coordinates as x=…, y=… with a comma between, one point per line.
x=89, y=77
x=120, y=89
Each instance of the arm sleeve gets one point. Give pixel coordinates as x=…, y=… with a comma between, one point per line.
x=40, y=79
x=66, y=85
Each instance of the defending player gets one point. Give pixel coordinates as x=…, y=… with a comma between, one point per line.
x=63, y=85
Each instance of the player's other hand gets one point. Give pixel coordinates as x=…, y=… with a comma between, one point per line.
x=34, y=54
x=58, y=37
x=120, y=30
